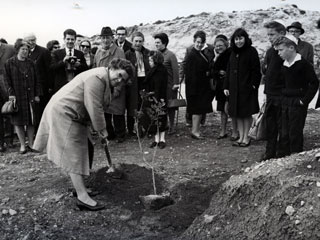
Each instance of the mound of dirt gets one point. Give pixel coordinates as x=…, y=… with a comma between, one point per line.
x=278, y=199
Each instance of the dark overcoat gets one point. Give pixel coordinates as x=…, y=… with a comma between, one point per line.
x=6, y=52
x=220, y=65
x=58, y=67
x=171, y=63
x=42, y=59
x=156, y=81
x=198, y=91
x=243, y=80
x=24, y=86
x=133, y=90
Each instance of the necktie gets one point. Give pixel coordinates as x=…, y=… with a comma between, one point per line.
x=70, y=53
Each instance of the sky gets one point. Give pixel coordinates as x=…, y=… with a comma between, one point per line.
x=48, y=19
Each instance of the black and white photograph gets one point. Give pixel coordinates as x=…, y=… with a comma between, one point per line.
x=160, y=120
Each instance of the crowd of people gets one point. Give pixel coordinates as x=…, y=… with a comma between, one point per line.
x=66, y=94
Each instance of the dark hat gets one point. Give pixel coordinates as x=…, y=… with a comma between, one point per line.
x=106, y=31
x=297, y=25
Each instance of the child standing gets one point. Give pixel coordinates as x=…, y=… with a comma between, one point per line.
x=301, y=85
x=156, y=82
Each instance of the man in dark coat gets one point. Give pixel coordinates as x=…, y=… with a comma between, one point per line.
x=121, y=40
x=274, y=84
x=42, y=58
x=6, y=52
x=68, y=62
x=304, y=48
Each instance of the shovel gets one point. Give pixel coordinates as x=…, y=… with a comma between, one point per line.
x=112, y=171
x=106, y=150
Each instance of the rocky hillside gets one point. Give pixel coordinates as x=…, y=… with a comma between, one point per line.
x=181, y=29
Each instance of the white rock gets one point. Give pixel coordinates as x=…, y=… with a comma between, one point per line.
x=318, y=184
x=297, y=222
x=318, y=155
x=12, y=212
x=302, y=203
x=309, y=166
x=5, y=211
x=247, y=170
x=290, y=210
x=268, y=171
x=208, y=218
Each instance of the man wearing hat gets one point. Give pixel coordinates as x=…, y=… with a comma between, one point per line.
x=114, y=114
x=305, y=49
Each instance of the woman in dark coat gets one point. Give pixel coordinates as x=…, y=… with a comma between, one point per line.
x=221, y=60
x=242, y=83
x=156, y=82
x=24, y=88
x=198, y=91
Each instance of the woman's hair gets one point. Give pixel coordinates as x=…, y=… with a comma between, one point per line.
x=19, y=43
x=137, y=34
x=240, y=32
x=51, y=43
x=119, y=63
x=163, y=38
x=157, y=57
x=201, y=35
x=221, y=38
x=86, y=40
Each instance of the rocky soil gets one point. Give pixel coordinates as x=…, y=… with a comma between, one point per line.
x=36, y=200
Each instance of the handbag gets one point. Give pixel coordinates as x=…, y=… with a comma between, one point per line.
x=176, y=103
x=259, y=125
x=9, y=107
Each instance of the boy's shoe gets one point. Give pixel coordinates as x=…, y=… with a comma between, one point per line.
x=153, y=144
x=162, y=145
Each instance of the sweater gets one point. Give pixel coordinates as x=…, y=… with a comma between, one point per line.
x=273, y=80
x=300, y=81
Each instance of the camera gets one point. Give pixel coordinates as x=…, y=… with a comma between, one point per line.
x=71, y=62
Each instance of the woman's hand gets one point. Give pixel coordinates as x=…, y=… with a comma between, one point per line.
x=226, y=92
x=103, y=134
x=12, y=98
x=175, y=87
x=37, y=99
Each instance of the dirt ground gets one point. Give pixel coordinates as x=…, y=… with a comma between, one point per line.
x=36, y=201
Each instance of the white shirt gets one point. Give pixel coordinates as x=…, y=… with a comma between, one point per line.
x=68, y=51
x=296, y=59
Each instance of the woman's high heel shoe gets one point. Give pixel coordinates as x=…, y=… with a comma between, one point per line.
x=84, y=206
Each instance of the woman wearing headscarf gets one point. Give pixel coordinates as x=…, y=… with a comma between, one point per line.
x=63, y=129
x=171, y=63
x=24, y=88
x=242, y=83
x=197, y=76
